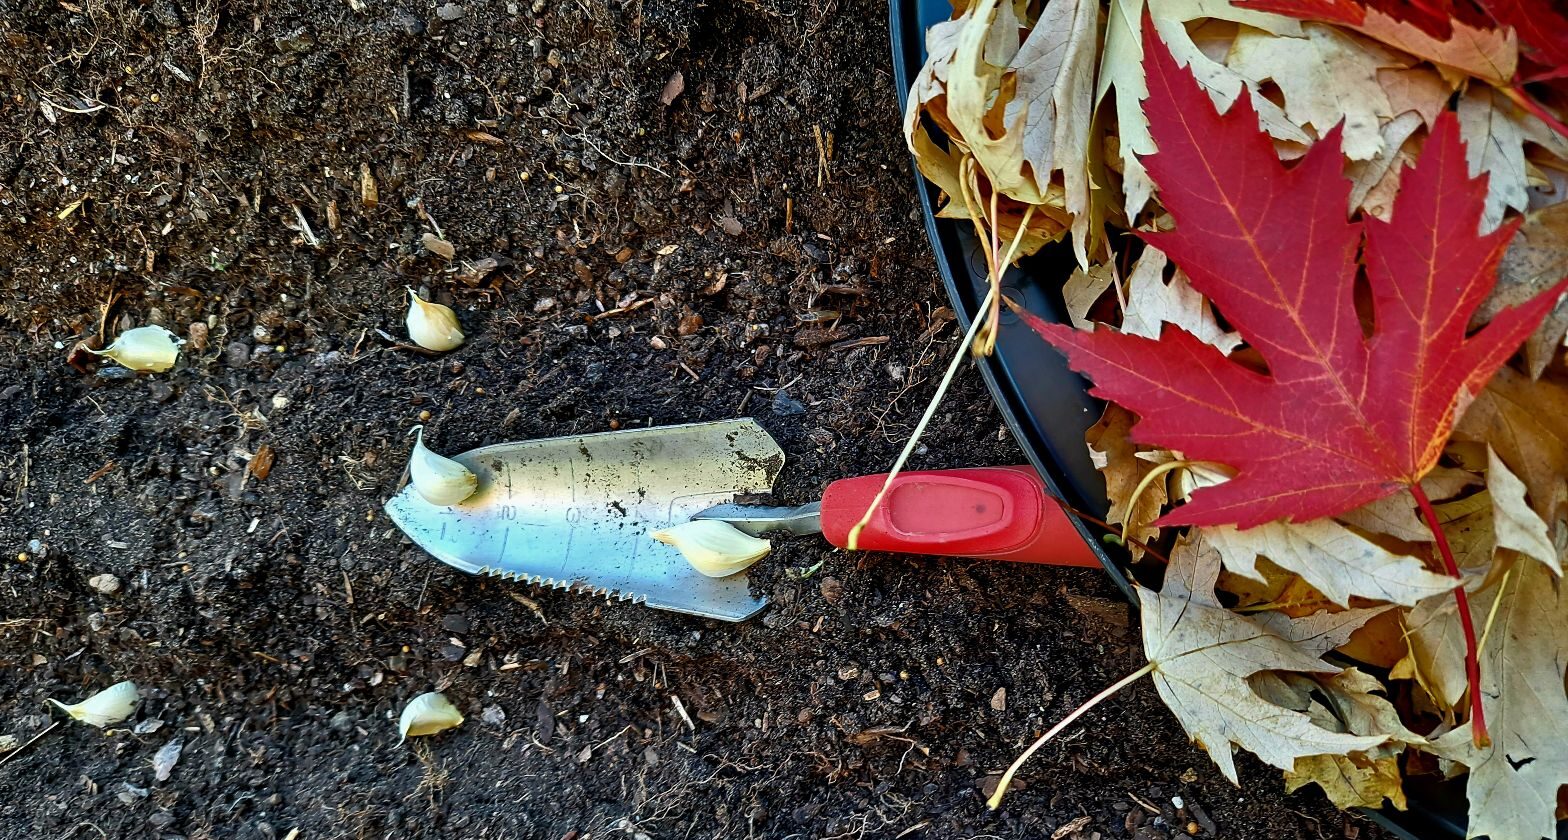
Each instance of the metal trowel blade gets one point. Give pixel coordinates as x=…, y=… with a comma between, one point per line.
x=575, y=512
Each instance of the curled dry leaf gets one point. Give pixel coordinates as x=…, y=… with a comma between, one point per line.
x=1461, y=46
x=1022, y=108
x=1083, y=290
x=1395, y=516
x=1327, y=77
x=1353, y=704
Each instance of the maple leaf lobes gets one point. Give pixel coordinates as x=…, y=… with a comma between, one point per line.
x=1340, y=419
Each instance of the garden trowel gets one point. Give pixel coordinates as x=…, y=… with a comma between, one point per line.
x=575, y=512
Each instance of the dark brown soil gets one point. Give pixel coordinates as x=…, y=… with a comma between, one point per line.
x=168, y=156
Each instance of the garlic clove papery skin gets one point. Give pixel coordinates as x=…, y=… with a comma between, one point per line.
x=440, y=480
x=107, y=707
x=427, y=714
x=431, y=325
x=714, y=548
x=152, y=349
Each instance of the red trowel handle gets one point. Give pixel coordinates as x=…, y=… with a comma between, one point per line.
x=989, y=513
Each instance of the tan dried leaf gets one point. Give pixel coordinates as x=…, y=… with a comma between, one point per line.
x=1332, y=558
x=1354, y=704
x=1489, y=54
x=1112, y=450
x=1203, y=655
x=1526, y=421
x=1396, y=515
x=1152, y=303
x=1514, y=525
x=1419, y=89
x=1514, y=781
x=1536, y=259
x=1083, y=289
x=1495, y=131
x=1121, y=69
x=1326, y=78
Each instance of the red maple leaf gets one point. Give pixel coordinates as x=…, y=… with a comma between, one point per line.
x=1341, y=417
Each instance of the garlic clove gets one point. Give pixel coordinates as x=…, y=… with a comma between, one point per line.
x=431, y=325
x=144, y=348
x=107, y=707
x=427, y=714
x=440, y=480
x=714, y=548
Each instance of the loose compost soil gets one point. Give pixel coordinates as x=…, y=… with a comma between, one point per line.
x=662, y=212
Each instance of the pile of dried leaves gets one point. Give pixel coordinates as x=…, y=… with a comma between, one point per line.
x=1333, y=348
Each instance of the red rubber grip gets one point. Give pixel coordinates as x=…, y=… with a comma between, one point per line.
x=988, y=513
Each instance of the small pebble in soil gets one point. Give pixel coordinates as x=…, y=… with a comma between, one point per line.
x=831, y=588
x=104, y=584
x=786, y=406
x=449, y=12
x=130, y=794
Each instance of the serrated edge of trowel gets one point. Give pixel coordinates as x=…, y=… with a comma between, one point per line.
x=613, y=594
x=577, y=587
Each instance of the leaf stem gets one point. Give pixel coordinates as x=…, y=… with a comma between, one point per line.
x=853, y=543
x=1007, y=777
x=1466, y=623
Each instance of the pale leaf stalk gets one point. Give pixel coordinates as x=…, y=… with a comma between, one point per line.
x=853, y=543
x=1137, y=493
x=991, y=305
x=1007, y=778
x=1466, y=623
x=1491, y=615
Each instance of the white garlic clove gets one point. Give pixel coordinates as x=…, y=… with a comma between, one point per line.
x=427, y=714
x=440, y=480
x=107, y=707
x=714, y=548
x=431, y=325
x=144, y=348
